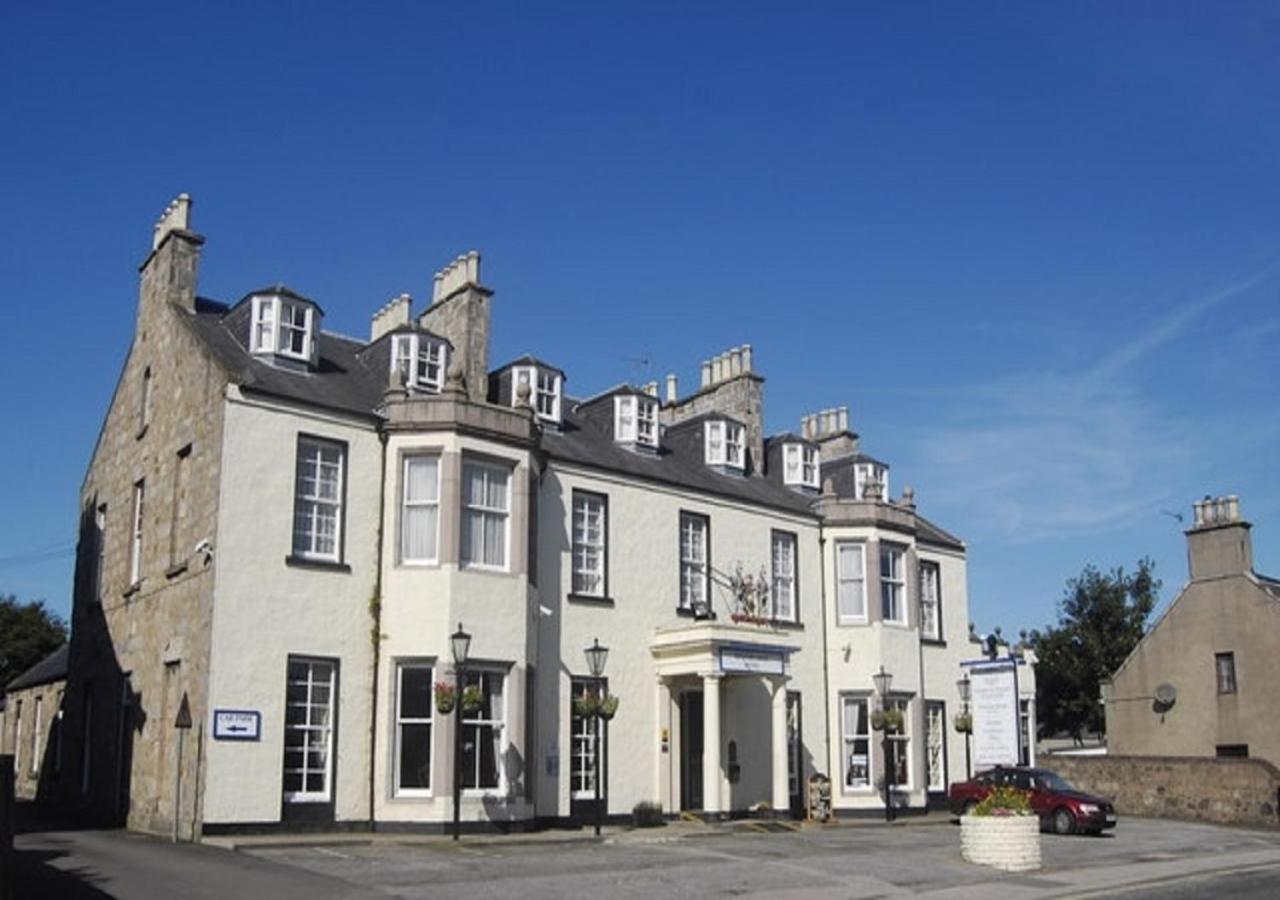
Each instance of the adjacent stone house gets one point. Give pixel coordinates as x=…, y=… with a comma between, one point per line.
x=31, y=726
x=1200, y=683
x=282, y=528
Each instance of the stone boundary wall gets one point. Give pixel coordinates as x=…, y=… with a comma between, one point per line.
x=1203, y=789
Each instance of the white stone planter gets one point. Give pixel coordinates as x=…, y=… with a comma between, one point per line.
x=1011, y=843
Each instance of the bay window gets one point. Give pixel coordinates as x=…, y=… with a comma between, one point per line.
x=486, y=506
x=420, y=509
x=893, y=584
x=930, y=602
x=851, y=595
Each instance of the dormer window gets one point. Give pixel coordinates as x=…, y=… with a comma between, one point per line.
x=544, y=390
x=800, y=465
x=725, y=443
x=635, y=420
x=285, y=327
x=420, y=359
x=871, y=482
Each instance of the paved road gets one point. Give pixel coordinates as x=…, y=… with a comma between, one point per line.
x=1145, y=859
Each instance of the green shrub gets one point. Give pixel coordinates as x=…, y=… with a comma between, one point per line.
x=647, y=814
x=1005, y=801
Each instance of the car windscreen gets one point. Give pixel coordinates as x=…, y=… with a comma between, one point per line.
x=1054, y=782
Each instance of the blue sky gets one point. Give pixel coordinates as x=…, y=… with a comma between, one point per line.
x=1035, y=248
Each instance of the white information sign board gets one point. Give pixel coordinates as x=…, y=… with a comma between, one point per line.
x=237, y=725
x=994, y=704
x=762, y=662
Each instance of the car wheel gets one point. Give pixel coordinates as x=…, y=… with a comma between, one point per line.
x=1063, y=821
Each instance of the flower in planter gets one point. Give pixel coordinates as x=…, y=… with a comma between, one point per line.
x=887, y=718
x=472, y=698
x=588, y=705
x=608, y=707
x=446, y=697
x=1005, y=801
x=964, y=723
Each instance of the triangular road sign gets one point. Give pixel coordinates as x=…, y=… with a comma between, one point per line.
x=183, y=721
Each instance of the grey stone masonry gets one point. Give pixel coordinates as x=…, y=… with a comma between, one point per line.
x=459, y=311
x=731, y=388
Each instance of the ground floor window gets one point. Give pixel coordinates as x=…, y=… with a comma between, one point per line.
x=793, y=743
x=900, y=744
x=857, y=742
x=935, y=739
x=584, y=731
x=482, y=767
x=1024, y=732
x=308, y=730
x=414, y=707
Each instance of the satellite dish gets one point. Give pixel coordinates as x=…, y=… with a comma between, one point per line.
x=1166, y=695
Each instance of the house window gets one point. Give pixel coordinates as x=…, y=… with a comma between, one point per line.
x=935, y=739
x=99, y=549
x=694, y=573
x=179, y=508
x=135, y=542
x=635, y=420
x=420, y=509
x=793, y=743
x=783, y=589
x=37, y=728
x=317, y=500
x=486, y=503
x=800, y=465
x=308, y=730
x=419, y=360
x=893, y=585
x=900, y=743
x=851, y=594
x=1024, y=732
x=544, y=390
x=590, y=513
x=144, y=403
x=583, y=734
x=930, y=602
x=868, y=478
x=481, y=763
x=856, y=730
x=1225, y=664
x=282, y=326
x=17, y=738
x=414, y=707
x=725, y=443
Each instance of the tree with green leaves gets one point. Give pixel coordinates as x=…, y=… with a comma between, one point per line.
x=28, y=633
x=1101, y=618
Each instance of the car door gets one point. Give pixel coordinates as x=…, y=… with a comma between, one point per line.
x=1041, y=796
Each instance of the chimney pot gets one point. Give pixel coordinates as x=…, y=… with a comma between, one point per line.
x=735, y=361
x=706, y=373
x=746, y=357
x=672, y=394
x=844, y=418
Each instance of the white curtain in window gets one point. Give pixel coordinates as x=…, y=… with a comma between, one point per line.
x=421, y=507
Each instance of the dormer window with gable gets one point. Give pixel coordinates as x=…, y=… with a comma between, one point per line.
x=545, y=387
x=800, y=465
x=635, y=420
x=284, y=326
x=871, y=481
x=421, y=360
x=726, y=444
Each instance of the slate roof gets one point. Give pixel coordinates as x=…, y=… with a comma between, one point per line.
x=52, y=668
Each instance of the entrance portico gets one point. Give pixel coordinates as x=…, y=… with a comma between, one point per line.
x=722, y=690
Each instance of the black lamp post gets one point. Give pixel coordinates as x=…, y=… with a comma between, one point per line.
x=882, y=680
x=461, y=643
x=596, y=657
x=963, y=686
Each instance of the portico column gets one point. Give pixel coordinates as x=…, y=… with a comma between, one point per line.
x=711, y=743
x=662, y=770
x=781, y=788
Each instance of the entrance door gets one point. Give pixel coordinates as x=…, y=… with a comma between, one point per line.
x=309, y=746
x=691, y=750
x=795, y=760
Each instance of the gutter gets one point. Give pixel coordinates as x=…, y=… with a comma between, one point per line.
x=375, y=631
x=826, y=653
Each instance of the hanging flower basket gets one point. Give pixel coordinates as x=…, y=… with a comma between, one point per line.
x=446, y=697
x=608, y=707
x=964, y=723
x=472, y=698
x=887, y=718
x=588, y=705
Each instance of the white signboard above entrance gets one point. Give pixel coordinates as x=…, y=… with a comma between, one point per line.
x=994, y=696
x=237, y=725
x=759, y=662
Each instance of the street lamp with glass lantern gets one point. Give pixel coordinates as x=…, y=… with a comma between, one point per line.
x=882, y=680
x=460, y=642
x=964, y=687
x=596, y=658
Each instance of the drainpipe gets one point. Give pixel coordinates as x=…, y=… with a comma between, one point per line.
x=375, y=633
x=826, y=659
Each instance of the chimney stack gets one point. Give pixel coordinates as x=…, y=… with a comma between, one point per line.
x=1218, y=542
x=170, y=271
x=830, y=428
x=393, y=314
x=459, y=312
x=176, y=217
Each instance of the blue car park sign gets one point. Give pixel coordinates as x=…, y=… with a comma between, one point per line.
x=237, y=725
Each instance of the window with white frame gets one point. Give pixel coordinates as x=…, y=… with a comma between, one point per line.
x=694, y=573
x=36, y=731
x=135, y=541
x=1024, y=732
x=725, y=443
x=930, y=601
x=415, y=706
x=317, y=499
x=482, y=764
x=99, y=549
x=855, y=727
x=420, y=360
x=793, y=743
x=783, y=589
x=283, y=326
x=584, y=731
x=308, y=730
x=17, y=737
x=486, y=505
x=900, y=743
x=590, y=524
x=851, y=582
x=893, y=584
x=635, y=420
x=935, y=736
x=800, y=465
x=866, y=474
x=544, y=390
x=420, y=509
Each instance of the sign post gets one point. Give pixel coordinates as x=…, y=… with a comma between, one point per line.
x=994, y=688
x=183, y=724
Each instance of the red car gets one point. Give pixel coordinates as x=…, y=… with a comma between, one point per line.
x=1059, y=805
